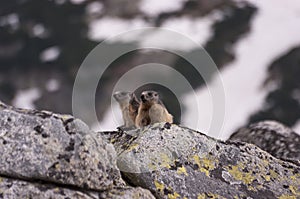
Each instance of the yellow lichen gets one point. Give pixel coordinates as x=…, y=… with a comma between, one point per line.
x=159, y=186
x=267, y=178
x=182, y=170
x=296, y=178
x=274, y=175
x=57, y=166
x=287, y=197
x=245, y=177
x=113, y=140
x=152, y=166
x=201, y=196
x=165, y=160
x=56, y=190
x=205, y=165
x=132, y=147
x=294, y=190
x=265, y=162
x=173, y=196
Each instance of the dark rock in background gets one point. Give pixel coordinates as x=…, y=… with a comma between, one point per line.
x=273, y=137
x=283, y=102
x=228, y=31
x=177, y=162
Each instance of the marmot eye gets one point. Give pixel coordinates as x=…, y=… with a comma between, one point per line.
x=149, y=94
x=155, y=94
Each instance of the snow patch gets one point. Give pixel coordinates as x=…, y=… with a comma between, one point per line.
x=38, y=30
x=156, y=7
x=52, y=85
x=50, y=54
x=111, y=26
x=26, y=98
x=95, y=8
x=198, y=29
x=296, y=127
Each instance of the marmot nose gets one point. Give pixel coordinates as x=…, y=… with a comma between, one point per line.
x=142, y=97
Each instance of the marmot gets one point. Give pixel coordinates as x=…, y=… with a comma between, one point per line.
x=134, y=105
x=123, y=98
x=151, y=110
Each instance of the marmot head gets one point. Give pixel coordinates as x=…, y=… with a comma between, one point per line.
x=122, y=96
x=150, y=97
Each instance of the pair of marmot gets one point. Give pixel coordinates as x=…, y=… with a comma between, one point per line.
x=139, y=113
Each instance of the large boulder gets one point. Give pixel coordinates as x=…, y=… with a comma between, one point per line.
x=58, y=148
x=177, y=162
x=13, y=188
x=47, y=155
x=273, y=137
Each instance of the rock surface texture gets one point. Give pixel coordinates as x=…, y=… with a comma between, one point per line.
x=47, y=155
x=273, y=137
x=177, y=162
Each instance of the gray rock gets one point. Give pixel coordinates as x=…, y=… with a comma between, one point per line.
x=127, y=193
x=122, y=8
x=177, y=162
x=12, y=188
x=273, y=137
x=56, y=148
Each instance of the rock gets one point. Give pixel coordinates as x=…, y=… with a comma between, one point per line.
x=47, y=155
x=56, y=148
x=273, y=137
x=177, y=162
x=282, y=101
x=11, y=188
x=122, y=8
x=127, y=193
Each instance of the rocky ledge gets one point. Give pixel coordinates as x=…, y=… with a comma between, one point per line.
x=47, y=155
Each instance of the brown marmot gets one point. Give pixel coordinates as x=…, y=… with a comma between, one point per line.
x=152, y=110
x=123, y=98
x=134, y=105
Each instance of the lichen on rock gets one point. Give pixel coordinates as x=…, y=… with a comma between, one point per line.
x=273, y=137
x=178, y=162
x=48, y=155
